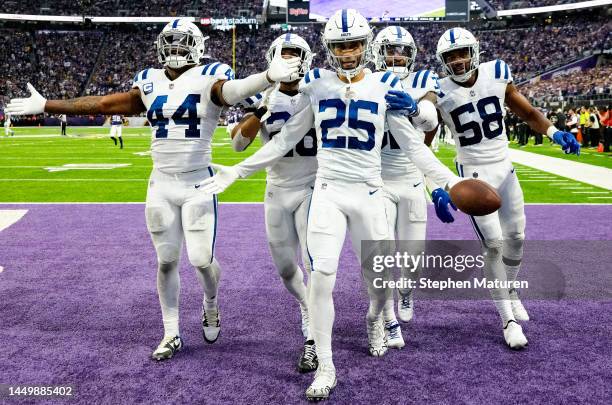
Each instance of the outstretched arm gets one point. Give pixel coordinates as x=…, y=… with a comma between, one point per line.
x=519, y=105
x=291, y=133
x=418, y=152
x=230, y=92
x=117, y=103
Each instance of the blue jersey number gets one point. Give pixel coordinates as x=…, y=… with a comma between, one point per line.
x=300, y=148
x=353, y=122
x=155, y=115
x=486, y=117
x=389, y=139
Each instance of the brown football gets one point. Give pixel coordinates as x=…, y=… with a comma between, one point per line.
x=475, y=197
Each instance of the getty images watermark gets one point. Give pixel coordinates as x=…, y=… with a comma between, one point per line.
x=413, y=263
x=455, y=269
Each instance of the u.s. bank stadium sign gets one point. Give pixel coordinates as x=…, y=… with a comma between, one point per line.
x=298, y=11
x=228, y=21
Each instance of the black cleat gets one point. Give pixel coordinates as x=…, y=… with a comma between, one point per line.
x=308, y=359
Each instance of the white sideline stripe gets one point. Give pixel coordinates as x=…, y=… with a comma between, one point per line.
x=576, y=188
x=605, y=198
x=585, y=173
x=590, y=192
x=9, y=217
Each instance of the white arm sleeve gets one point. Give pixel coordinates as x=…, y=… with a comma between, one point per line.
x=427, y=120
x=418, y=152
x=234, y=91
x=240, y=143
x=292, y=132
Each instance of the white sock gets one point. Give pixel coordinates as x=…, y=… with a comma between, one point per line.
x=296, y=287
x=168, y=289
x=389, y=311
x=322, y=314
x=209, y=279
x=494, y=270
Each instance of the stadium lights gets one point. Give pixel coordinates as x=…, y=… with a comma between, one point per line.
x=33, y=17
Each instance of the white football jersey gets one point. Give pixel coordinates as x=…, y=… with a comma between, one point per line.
x=395, y=162
x=349, y=122
x=181, y=114
x=299, y=166
x=475, y=115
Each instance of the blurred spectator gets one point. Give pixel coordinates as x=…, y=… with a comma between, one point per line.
x=594, y=127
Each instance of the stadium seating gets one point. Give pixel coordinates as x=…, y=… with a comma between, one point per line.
x=71, y=63
x=514, y=4
x=204, y=8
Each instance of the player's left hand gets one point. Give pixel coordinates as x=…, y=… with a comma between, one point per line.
x=568, y=143
x=400, y=100
x=281, y=69
x=442, y=200
x=225, y=176
x=35, y=104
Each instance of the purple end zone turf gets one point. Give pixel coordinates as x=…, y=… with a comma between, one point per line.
x=78, y=305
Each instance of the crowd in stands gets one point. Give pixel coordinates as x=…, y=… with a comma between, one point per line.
x=154, y=8
x=514, y=4
x=72, y=63
x=591, y=82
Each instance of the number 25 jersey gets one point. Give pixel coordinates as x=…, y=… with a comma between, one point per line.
x=475, y=115
x=350, y=123
x=181, y=114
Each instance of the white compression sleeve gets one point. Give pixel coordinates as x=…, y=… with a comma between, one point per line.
x=240, y=143
x=292, y=132
x=427, y=120
x=418, y=152
x=234, y=91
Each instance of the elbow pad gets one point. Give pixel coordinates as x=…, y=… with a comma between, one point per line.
x=427, y=119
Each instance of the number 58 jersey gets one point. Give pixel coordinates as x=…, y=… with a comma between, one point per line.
x=181, y=114
x=475, y=115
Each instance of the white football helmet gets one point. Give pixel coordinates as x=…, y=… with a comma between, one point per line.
x=347, y=25
x=457, y=38
x=293, y=41
x=394, y=42
x=180, y=44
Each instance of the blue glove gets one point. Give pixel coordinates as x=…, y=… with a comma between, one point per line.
x=398, y=100
x=441, y=200
x=568, y=143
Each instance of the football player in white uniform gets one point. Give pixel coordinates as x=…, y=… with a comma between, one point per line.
x=289, y=182
x=471, y=101
x=394, y=50
x=348, y=109
x=183, y=102
x=116, y=127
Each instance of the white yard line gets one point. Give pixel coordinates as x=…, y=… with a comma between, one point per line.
x=590, y=192
x=591, y=174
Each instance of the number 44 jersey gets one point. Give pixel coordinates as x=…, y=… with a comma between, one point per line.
x=475, y=115
x=181, y=114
